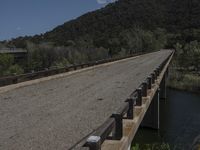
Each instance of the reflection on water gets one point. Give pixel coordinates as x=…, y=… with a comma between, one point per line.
x=179, y=121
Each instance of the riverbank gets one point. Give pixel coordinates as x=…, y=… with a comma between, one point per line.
x=184, y=81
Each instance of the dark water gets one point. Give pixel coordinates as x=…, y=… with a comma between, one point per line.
x=179, y=121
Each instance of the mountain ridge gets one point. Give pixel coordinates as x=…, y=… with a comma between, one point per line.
x=108, y=22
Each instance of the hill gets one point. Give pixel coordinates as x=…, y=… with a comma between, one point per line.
x=121, y=28
x=174, y=16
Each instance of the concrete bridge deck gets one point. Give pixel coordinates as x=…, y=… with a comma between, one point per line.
x=57, y=113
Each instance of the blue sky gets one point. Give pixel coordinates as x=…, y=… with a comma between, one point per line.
x=29, y=17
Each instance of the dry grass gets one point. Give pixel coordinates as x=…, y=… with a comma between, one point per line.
x=184, y=81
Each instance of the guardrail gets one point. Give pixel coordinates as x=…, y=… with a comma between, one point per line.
x=112, y=129
x=11, y=51
x=7, y=80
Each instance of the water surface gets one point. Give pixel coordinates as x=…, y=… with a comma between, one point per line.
x=179, y=121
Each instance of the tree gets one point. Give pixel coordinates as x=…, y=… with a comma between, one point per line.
x=7, y=66
x=5, y=62
x=14, y=70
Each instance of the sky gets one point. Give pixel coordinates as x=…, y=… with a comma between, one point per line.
x=30, y=17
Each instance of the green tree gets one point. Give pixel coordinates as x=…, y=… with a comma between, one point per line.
x=5, y=62
x=7, y=66
x=14, y=70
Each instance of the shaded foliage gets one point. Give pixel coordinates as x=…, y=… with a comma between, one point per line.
x=121, y=28
x=7, y=66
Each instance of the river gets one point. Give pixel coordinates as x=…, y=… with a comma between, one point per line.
x=179, y=122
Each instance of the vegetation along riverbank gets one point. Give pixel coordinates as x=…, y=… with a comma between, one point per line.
x=185, y=68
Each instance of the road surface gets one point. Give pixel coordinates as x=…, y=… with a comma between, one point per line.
x=55, y=114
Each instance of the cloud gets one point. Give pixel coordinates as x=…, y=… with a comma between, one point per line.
x=105, y=1
x=18, y=28
x=102, y=1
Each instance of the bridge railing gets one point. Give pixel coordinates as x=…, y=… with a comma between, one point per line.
x=13, y=79
x=112, y=129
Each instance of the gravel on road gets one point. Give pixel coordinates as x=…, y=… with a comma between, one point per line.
x=55, y=114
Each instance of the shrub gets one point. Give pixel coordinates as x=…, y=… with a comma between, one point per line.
x=14, y=70
x=5, y=62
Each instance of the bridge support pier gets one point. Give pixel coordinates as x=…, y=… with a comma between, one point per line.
x=152, y=116
x=163, y=88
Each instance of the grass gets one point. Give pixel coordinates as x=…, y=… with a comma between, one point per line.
x=184, y=81
x=156, y=146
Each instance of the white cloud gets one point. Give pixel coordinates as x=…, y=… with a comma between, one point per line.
x=105, y=1
x=18, y=28
x=101, y=1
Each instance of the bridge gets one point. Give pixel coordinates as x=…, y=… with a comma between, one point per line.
x=18, y=53
x=97, y=107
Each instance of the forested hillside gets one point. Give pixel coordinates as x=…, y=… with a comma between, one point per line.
x=176, y=16
x=121, y=28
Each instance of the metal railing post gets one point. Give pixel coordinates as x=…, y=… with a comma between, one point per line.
x=130, y=114
x=158, y=70
x=149, y=81
x=118, y=133
x=153, y=78
x=144, y=89
x=157, y=73
x=139, y=97
x=94, y=143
